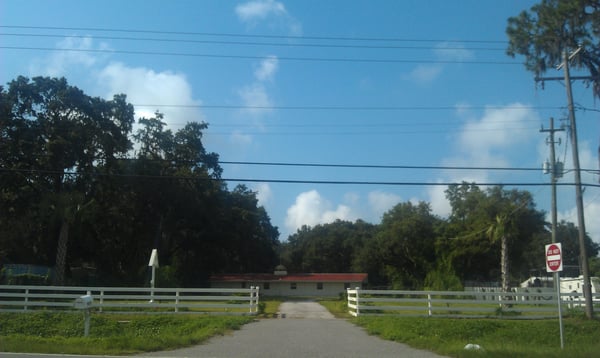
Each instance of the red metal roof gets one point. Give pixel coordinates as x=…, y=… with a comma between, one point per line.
x=298, y=277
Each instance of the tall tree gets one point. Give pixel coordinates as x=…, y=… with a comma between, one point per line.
x=55, y=134
x=331, y=247
x=507, y=217
x=551, y=27
x=406, y=243
x=502, y=230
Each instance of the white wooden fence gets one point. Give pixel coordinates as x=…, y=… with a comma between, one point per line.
x=460, y=304
x=132, y=299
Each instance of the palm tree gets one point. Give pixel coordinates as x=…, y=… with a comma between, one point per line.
x=501, y=230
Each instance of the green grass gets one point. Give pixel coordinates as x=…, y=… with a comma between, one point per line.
x=499, y=338
x=339, y=308
x=268, y=308
x=44, y=332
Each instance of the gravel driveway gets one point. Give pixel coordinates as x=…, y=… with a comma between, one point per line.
x=308, y=330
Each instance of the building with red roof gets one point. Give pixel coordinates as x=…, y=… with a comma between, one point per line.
x=280, y=283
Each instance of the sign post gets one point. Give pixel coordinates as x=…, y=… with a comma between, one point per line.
x=554, y=264
x=154, y=264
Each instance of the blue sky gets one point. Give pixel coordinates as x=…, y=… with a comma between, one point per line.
x=389, y=83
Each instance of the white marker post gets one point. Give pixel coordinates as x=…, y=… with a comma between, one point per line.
x=554, y=264
x=154, y=264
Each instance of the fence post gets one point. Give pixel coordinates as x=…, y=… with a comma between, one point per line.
x=357, y=302
x=101, y=300
x=257, y=298
x=429, y=304
x=26, y=299
x=348, y=298
x=253, y=301
x=177, y=301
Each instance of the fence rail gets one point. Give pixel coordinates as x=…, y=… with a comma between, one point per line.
x=132, y=299
x=460, y=304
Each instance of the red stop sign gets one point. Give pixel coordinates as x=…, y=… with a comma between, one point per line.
x=554, y=258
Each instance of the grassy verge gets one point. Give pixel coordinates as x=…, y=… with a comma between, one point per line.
x=498, y=338
x=338, y=308
x=269, y=307
x=44, y=332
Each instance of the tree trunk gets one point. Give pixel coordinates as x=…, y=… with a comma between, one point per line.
x=61, y=253
x=504, y=262
x=504, y=265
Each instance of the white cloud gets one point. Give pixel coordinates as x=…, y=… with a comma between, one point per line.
x=591, y=196
x=495, y=132
x=240, y=139
x=447, y=51
x=267, y=68
x=256, y=99
x=484, y=141
x=424, y=74
x=439, y=203
x=592, y=224
x=143, y=86
x=255, y=11
x=380, y=202
x=147, y=89
x=311, y=209
x=264, y=193
x=61, y=62
x=255, y=96
x=259, y=10
x=591, y=211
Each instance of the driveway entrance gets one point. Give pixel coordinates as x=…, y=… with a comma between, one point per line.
x=308, y=330
x=305, y=309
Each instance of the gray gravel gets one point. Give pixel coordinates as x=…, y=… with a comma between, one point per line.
x=320, y=335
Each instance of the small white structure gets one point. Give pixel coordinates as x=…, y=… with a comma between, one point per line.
x=567, y=284
x=280, y=283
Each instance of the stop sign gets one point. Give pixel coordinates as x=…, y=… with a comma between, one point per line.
x=554, y=258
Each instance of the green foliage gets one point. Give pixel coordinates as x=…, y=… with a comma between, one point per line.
x=62, y=333
x=27, y=279
x=443, y=278
x=406, y=242
x=333, y=247
x=75, y=195
x=551, y=27
x=594, y=266
x=474, y=233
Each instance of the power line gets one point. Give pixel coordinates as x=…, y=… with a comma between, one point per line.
x=286, y=181
x=343, y=108
x=247, y=43
x=249, y=57
x=220, y=34
x=370, y=166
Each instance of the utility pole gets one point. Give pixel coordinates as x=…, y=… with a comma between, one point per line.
x=587, y=289
x=556, y=171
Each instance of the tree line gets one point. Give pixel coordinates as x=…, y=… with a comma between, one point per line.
x=84, y=190
x=492, y=235
x=81, y=189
